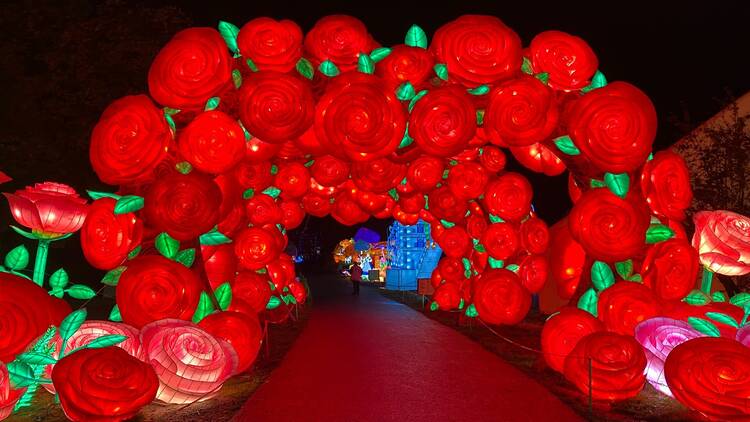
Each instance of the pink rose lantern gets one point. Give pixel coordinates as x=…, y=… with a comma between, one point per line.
x=659, y=336
x=191, y=364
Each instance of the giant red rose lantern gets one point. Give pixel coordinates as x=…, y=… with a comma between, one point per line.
x=270, y=44
x=193, y=67
x=607, y=366
x=153, y=288
x=26, y=311
x=563, y=331
x=103, y=384
x=712, y=376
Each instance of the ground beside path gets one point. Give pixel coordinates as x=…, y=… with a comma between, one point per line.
x=367, y=358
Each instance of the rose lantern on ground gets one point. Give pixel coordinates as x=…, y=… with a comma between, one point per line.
x=562, y=333
x=191, y=363
x=711, y=375
x=607, y=366
x=106, y=384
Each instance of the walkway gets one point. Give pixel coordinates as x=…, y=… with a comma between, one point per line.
x=368, y=358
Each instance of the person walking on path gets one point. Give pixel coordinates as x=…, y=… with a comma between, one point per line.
x=356, y=275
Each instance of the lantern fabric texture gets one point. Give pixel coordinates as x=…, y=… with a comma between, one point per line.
x=711, y=375
x=616, y=363
x=49, y=209
x=190, y=363
x=104, y=384
x=500, y=298
x=722, y=239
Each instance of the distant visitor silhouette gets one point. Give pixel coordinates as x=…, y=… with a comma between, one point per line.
x=356, y=275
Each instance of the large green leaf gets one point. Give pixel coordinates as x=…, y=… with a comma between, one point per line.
x=129, y=203
x=697, y=297
x=624, y=269
x=223, y=295
x=566, y=146
x=80, y=291
x=71, y=324
x=658, y=233
x=114, y=314
x=589, y=301
x=205, y=307
x=58, y=280
x=17, y=259
x=704, y=326
x=113, y=276
x=167, y=245
x=601, y=275
x=328, y=68
x=365, y=64
x=305, y=68
x=98, y=195
x=379, y=54
x=36, y=358
x=21, y=374
x=186, y=257
x=416, y=37
x=214, y=237
x=741, y=300
x=106, y=341
x=618, y=183
x=229, y=32
x=723, y=318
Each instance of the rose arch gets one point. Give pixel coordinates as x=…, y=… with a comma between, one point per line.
x=244, y=131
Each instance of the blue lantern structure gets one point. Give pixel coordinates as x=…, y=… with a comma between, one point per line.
x=413, y=254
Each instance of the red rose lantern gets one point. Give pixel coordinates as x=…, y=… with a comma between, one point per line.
x=153, y=288
x=443, y=121
x=625, y=304
x=477, y=50
x=340, y=39
x=521, y=112
x=275, y=106
x=130, y=140
x=614, y=127
x=712, y=376
x=665, y=183
x=567, y=59
x=609, y=228
x=250, y=290
x=213, y=142
x=500, y=298
x=107, y=238
x=193, y=67
x=509, y=196
x=270, y=44
x=607, y=366
x=103, y=384
x=256, y=247
x=670, y=269
x=183, y=205
x=242, y=331
x=563, y=331
x=26, y=311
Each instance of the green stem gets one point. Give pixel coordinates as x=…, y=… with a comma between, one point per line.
x=40, y=263
x=706, y=280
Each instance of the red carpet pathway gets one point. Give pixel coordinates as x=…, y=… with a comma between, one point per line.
x=367, y=358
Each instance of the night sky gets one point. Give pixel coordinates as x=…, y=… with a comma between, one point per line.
x=64, y=61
